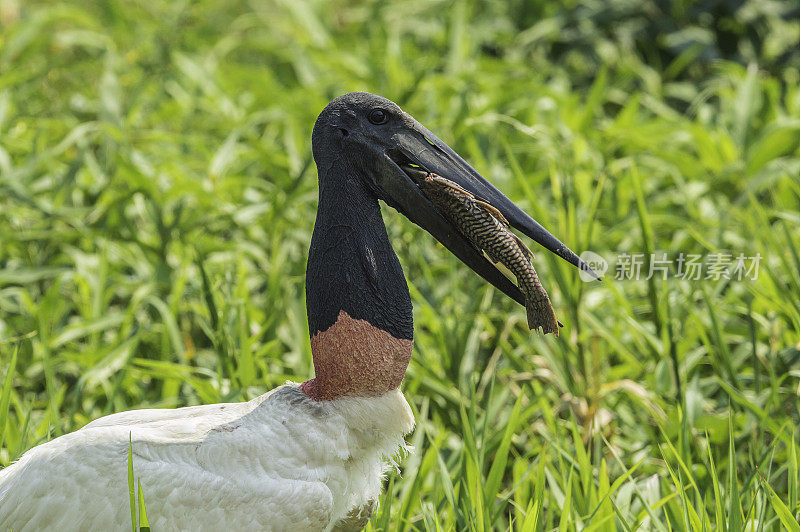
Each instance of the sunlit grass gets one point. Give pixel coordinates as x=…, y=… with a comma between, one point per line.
x=157, y=196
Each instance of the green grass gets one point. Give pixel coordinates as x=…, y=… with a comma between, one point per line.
x=157, y=196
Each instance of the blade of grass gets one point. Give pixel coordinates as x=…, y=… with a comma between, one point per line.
x=783, y=512
x=144, y=525
x=735, y=516
x=131, y=484
x=5, y=395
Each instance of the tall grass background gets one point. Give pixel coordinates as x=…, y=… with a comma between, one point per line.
x=157, y=197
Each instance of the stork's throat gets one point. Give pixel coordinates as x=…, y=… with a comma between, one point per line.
x=353, y=357
x=359, y=309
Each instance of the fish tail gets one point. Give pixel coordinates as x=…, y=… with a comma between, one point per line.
x=540, y=313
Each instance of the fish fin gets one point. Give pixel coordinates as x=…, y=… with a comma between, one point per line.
x=492, y=258
x=525, y=249
x=491, y=209
x=446, y=182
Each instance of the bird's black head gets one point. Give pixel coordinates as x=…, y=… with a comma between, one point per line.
x=359, y=127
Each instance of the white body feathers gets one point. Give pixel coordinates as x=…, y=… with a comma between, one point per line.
x=279, y=462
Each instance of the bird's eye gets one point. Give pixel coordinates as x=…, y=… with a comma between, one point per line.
x=378, y=116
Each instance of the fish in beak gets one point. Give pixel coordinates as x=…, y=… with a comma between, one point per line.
x=488, y=230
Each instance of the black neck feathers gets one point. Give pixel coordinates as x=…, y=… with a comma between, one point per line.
x=351, y=264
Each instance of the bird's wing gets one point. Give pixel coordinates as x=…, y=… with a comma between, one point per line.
x=192, y=419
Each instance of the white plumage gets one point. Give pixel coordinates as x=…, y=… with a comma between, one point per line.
x=279, y=462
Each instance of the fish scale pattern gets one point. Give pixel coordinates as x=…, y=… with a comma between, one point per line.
x=486, y=228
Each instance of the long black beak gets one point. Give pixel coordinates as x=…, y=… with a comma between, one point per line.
x=416, y=145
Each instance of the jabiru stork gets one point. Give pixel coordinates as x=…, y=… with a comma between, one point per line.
x=307, y=456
